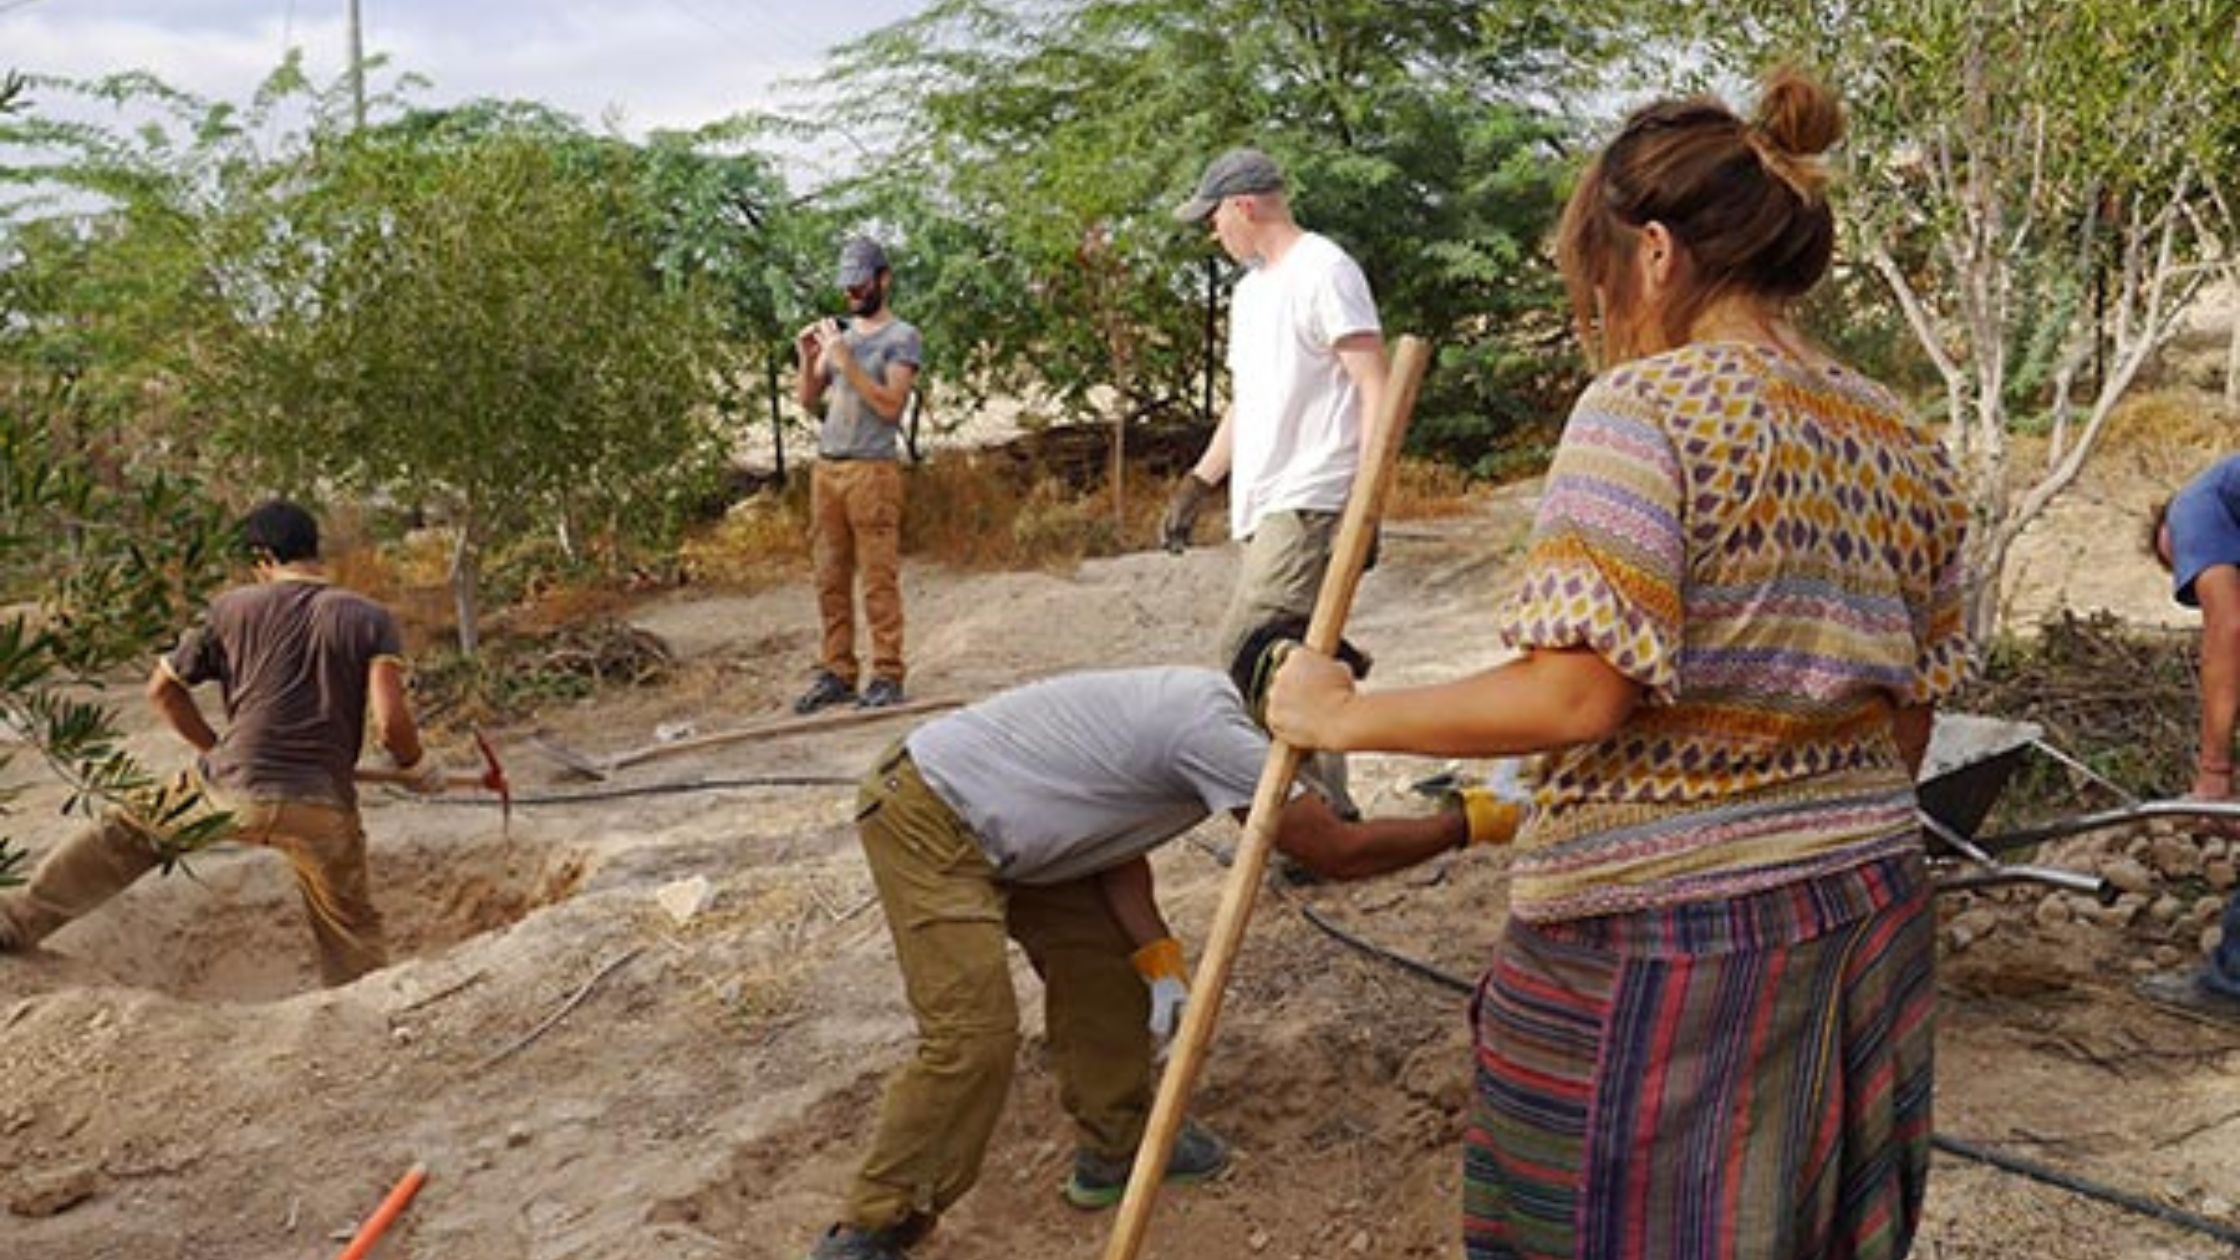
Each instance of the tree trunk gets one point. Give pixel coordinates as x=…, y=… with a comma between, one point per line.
x=466, y=587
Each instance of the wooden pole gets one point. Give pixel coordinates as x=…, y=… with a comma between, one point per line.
x=1347, y=558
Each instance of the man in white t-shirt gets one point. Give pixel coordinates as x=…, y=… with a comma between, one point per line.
x=1307, y=370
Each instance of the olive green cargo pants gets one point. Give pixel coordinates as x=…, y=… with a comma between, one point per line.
x=949, y=916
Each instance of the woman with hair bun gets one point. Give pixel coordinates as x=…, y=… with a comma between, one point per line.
x=1706, y=1029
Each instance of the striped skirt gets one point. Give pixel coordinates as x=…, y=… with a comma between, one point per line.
x=1746, y=1078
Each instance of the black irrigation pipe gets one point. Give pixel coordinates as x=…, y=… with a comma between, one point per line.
x=654, y=789
x=2030, y=1169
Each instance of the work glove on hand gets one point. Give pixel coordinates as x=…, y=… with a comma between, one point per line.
x=1496, y=809
x=425, y=776
x=1183, y=506
x=1160, y=965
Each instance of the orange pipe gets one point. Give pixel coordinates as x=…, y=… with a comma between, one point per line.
x=370, y=1232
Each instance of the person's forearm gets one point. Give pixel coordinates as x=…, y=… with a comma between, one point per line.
x=2220, y=696
x=1213, y=463
x=179, y=711
x=1128, y=892
x=1542, y=700
x=808, y=382
x=1381, y=845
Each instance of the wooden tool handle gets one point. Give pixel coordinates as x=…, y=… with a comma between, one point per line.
x=1349, y=555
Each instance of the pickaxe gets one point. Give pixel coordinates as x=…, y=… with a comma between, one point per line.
x=492, y=776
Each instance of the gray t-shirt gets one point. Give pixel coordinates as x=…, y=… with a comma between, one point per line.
x=1076, y=774
x=852, y=430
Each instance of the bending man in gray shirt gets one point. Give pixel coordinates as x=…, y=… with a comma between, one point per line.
x=1029, y=816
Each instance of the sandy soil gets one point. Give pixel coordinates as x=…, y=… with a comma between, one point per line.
x=176, y=1085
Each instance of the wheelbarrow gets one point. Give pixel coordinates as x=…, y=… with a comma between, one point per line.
x=1970, y=759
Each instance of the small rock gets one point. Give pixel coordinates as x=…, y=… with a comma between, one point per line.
x=55, y=1192
x=671, y=732
x=2211, y=937
x=2129, y=874
x=2166, y=956
x=517, y=1135
x=2166, y=909
x=1970, y=926
x=402, y=1034
x=2216, y=1207
x=2214, y=848
x=2222, y=873
x=1359, y=1243
x=2207, y=908
x=2142, y=965
x=2174, y=857
x=685, y=898
x=1258, y=1239
x=2053, y=910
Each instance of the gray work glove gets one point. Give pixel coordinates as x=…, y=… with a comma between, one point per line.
x=1188, y=500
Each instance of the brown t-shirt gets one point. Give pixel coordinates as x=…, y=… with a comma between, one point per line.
x=292, y=659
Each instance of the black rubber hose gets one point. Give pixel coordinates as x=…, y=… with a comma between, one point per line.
x=653, y=789
x=2090, y=1189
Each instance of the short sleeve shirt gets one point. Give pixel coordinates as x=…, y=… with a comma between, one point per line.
x=1076, y=774
x=292, y=661
x=852, y=430
x=1295, y=426
x=2204, y=526
x=1774, y=553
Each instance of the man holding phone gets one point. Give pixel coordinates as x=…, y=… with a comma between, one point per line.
x=861, y=371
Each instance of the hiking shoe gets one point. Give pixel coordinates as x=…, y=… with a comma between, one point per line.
x=1098, y=1182
x=829, y=689
x=846, y=1242
x=2189, y=991
x=882, y=693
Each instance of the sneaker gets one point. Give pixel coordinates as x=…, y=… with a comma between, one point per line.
x=1098, y=1182
x=829, y=689
x=2189, y=991
x=846, y=1242
x=882, y=693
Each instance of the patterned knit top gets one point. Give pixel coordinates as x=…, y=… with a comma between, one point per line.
x=1773, y=552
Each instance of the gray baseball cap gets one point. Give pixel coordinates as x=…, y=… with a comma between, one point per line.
x=861, y=261
x=1233, y=174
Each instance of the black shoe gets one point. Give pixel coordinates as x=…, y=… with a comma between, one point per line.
x=846, y=1242
x=829, y=689
x=2189, y=991
x=1098, y=1182
x=882, y=693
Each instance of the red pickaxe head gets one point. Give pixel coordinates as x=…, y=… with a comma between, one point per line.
x=494, y=778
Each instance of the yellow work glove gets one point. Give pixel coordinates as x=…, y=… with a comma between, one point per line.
x=1495, y=810
x=1161, y=966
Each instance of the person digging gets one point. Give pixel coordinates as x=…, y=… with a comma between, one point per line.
x=1029, y=815
x=300, y=662
x=2195, y=535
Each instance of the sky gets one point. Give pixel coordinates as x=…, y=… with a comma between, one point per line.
x=640, y=64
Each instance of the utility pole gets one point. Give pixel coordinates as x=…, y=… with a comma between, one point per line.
x=357, y=72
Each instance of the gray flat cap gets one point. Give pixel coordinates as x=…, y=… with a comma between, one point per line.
x=861, y=261
x=1233, y=174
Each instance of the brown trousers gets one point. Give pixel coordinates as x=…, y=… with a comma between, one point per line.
x=324, y=845
x=855, y=522
x=949, y=916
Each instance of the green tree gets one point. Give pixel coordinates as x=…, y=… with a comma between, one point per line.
x=100, y=560
x=1028, y=153
x=472, y=327
x=2027, y=180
